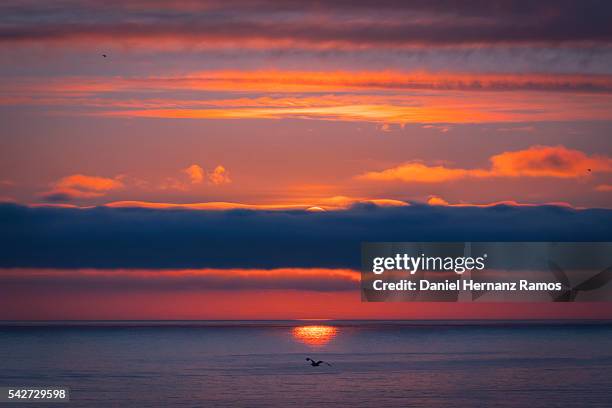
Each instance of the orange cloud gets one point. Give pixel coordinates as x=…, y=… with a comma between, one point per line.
x=427, y=107
x=548, y=161
x=418, y=173
x=536, y=161
x=89, y=183
x=219, y=176
x=81, y=186
x=435, y=200
x=324, y=81
x=195, y=173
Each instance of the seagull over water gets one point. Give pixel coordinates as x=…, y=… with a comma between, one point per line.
x=317, y=363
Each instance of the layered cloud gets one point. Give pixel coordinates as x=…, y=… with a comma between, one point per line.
x=438, y=108
x=373, y=96
x=267, y=24
x=319, y=81
x=79, y=186
x=536, y=161
x=136, y=238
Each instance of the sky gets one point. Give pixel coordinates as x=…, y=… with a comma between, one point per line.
x=121, y=116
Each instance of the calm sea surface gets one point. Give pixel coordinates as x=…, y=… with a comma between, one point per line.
x=378, y=364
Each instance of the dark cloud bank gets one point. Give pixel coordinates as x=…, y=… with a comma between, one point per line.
x=143, y=238
x=441, y=22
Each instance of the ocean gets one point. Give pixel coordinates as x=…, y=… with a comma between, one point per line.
x=262, y=363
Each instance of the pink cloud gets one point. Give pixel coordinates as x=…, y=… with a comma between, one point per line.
x=536, y=161
x=79, y=186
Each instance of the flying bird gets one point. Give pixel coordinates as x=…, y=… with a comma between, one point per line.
x=317, y=363
x=570, y=292
x=104, y=55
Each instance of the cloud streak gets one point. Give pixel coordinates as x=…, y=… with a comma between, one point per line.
x=536, y=161
x=267, y=24
x=373, y=96
x=321, y=81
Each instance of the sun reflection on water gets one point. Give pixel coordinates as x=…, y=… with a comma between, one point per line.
x=314, y=335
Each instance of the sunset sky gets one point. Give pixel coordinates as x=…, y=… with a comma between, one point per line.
x=229, y=123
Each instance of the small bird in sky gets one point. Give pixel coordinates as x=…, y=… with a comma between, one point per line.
x=317, y=363
x=589, y=170
x=104, y=55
